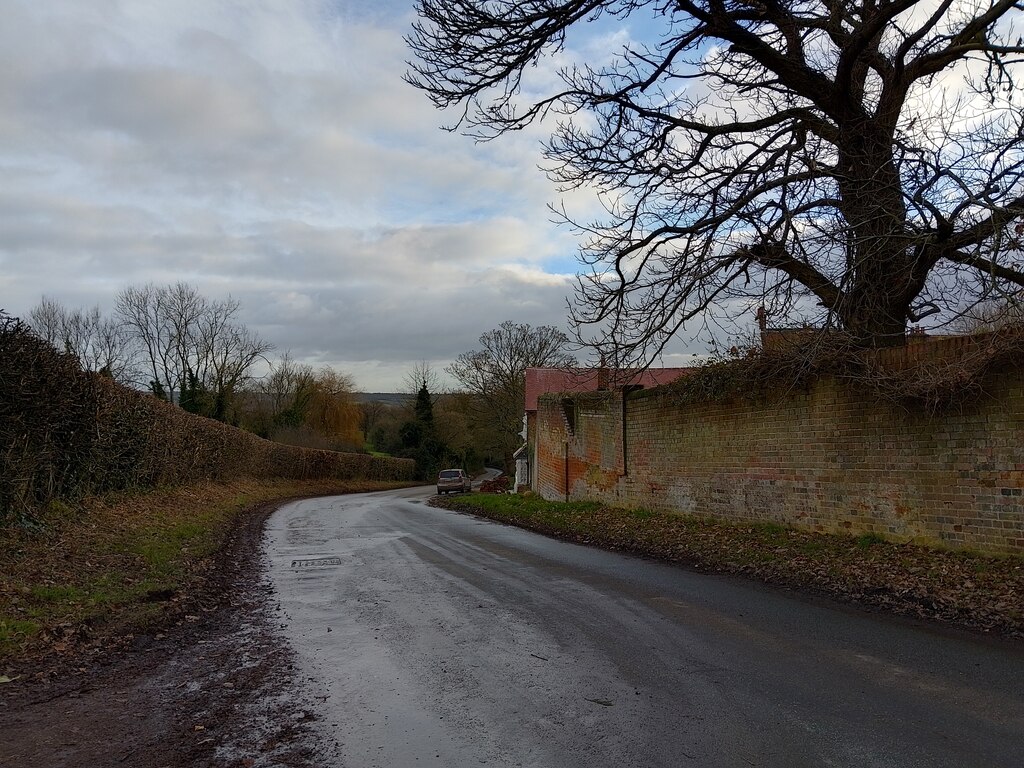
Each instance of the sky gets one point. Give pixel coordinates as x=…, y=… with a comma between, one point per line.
x=271, y=152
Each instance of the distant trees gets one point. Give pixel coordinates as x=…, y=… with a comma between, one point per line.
x=298, y=405
x=437, y=428
x=282, y=397
x=193, y=351
x=423, y=374
x=380, y=422
x=333, y=411
x=994, y=315
x=495, y=375
x=161, y=321
x=468, y=439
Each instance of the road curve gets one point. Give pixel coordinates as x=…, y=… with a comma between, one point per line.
x=434, y=638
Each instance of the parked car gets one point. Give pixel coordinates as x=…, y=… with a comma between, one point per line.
x=454, y=480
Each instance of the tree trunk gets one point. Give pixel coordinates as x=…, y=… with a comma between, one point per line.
x=883, y=274
x=873, y=319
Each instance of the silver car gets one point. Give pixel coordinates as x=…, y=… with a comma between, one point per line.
x=454, y=480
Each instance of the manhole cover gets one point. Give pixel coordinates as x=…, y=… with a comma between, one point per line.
x=316, y=562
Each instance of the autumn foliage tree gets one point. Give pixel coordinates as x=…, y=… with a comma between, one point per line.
x=857, y=162
x=333, y=410
x=297, y=404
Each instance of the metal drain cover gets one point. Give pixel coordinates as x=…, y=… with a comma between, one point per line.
x=316, y=562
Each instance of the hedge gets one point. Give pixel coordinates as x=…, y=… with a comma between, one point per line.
x=65, y=433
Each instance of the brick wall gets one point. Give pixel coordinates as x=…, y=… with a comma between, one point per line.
x=830, y=459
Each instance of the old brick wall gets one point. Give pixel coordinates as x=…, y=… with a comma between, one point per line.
x=832, y=459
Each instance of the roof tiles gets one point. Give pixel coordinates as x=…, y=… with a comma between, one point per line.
x=542, y=381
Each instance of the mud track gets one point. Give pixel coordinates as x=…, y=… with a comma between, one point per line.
x=215, y=689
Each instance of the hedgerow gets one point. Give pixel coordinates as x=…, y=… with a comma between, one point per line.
x=65, y=433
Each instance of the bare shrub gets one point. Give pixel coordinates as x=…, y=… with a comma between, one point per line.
x=931, y=375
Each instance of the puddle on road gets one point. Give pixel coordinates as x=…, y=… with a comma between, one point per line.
x=315, y=562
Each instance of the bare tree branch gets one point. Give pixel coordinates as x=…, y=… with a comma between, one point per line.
x=857, y=162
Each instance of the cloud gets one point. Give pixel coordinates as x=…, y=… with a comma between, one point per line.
x=272, y=152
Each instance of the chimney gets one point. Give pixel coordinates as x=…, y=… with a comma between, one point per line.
x=602, y=375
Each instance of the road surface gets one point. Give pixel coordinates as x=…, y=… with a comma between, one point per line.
x=432, y=638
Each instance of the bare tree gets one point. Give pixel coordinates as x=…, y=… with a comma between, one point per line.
x=372, y=413
x=289, y=388
x=422, y=373
x=225, y=352
x=334, y=412
x=858, y=161
x=496, y=374
x=102, y=345
x=145, y=312
x=295, y=404
x=47, y=320
x=460, y=428
x=189, y=342
x=184, y=310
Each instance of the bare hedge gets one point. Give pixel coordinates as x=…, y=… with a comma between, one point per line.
x=930, y=375
x=65, y=433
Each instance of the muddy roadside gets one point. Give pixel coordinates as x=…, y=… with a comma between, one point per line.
x=216, y=688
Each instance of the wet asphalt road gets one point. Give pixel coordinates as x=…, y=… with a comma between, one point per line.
x=430, y=638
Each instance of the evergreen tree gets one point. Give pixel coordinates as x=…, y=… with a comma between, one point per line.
x=194, y=396
x=424, y=409
x=420, y=437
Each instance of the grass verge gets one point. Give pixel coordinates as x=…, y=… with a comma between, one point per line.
x=98, y=571
x=966, y=589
